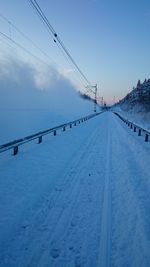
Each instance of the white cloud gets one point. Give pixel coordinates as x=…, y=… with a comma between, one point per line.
x=34, y=98
x=20, y=83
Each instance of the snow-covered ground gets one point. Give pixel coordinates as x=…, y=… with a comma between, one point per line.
x=79, y=199
x=141, y=118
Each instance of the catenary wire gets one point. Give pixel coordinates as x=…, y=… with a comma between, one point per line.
x=57, y=39
x=9, y=38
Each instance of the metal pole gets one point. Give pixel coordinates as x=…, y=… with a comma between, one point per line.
x=95, y=101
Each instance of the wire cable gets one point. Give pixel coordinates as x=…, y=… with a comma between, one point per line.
x=11, y=25
x=57, y=39
x=9, y=38
x=23, y=48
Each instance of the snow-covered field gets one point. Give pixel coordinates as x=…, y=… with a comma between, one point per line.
x=79, y=199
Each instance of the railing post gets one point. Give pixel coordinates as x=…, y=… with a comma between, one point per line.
x=75, y=124
x=70, y=125
x=54, y=132
x=15, y=150
x=139, y=133
x=40, y=140
x=64, y=129
x=134, y=128
x=146, y=137
x=131, y=125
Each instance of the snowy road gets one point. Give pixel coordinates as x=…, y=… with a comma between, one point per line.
x=81, y=199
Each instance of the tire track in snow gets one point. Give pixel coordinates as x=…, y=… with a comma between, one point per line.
x=75, y=198
x=105, y=239
x=48, y=218
x=69, y=192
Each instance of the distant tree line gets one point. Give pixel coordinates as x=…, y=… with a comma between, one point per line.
x=140, y=95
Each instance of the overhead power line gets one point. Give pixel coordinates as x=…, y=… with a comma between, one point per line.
x=56, y=39
x=11, y=39
x=22, y=47
x=12, y=26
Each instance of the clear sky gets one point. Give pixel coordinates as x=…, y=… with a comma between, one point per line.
x=109, y=39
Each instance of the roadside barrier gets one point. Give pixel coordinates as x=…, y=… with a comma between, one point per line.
x=14, y=145
x=136, y=128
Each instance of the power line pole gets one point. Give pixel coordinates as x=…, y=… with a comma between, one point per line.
x=95, y=101
x=95, y=94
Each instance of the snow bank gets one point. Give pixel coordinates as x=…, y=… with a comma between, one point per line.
x=141, y=117
x=135, y=106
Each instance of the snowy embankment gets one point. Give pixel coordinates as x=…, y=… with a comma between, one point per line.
x=141, y=118
x=81, y=198
x=135, y=106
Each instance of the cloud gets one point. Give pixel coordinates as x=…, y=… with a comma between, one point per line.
x=66, y=72
x=24, y=85
x=35, y=98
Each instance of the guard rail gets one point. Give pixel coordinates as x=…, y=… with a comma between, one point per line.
x=14, y=145
x=135, y=127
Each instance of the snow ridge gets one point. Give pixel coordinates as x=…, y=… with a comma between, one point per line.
x=104, y=251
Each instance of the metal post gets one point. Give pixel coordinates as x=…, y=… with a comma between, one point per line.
x=54, y=132
x=139, y=133
x=70, y=125
x=95, y=94
x=40, y=140
x=134, y=128
x=64, y=129
x=146, y=137
x=15, y=150
x=95, y=101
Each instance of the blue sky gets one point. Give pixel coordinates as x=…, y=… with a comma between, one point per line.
x=108, y=39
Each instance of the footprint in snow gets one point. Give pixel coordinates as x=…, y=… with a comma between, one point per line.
x=77, y=262
x=74, y=221
x=55, y=252
x=58, y=189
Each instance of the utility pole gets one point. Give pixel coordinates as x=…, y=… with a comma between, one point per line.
x=95, y=94
x=114, y=100
x=102, y=103
x=95, y=101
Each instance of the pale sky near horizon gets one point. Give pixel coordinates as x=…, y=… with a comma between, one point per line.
x=108, y=39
